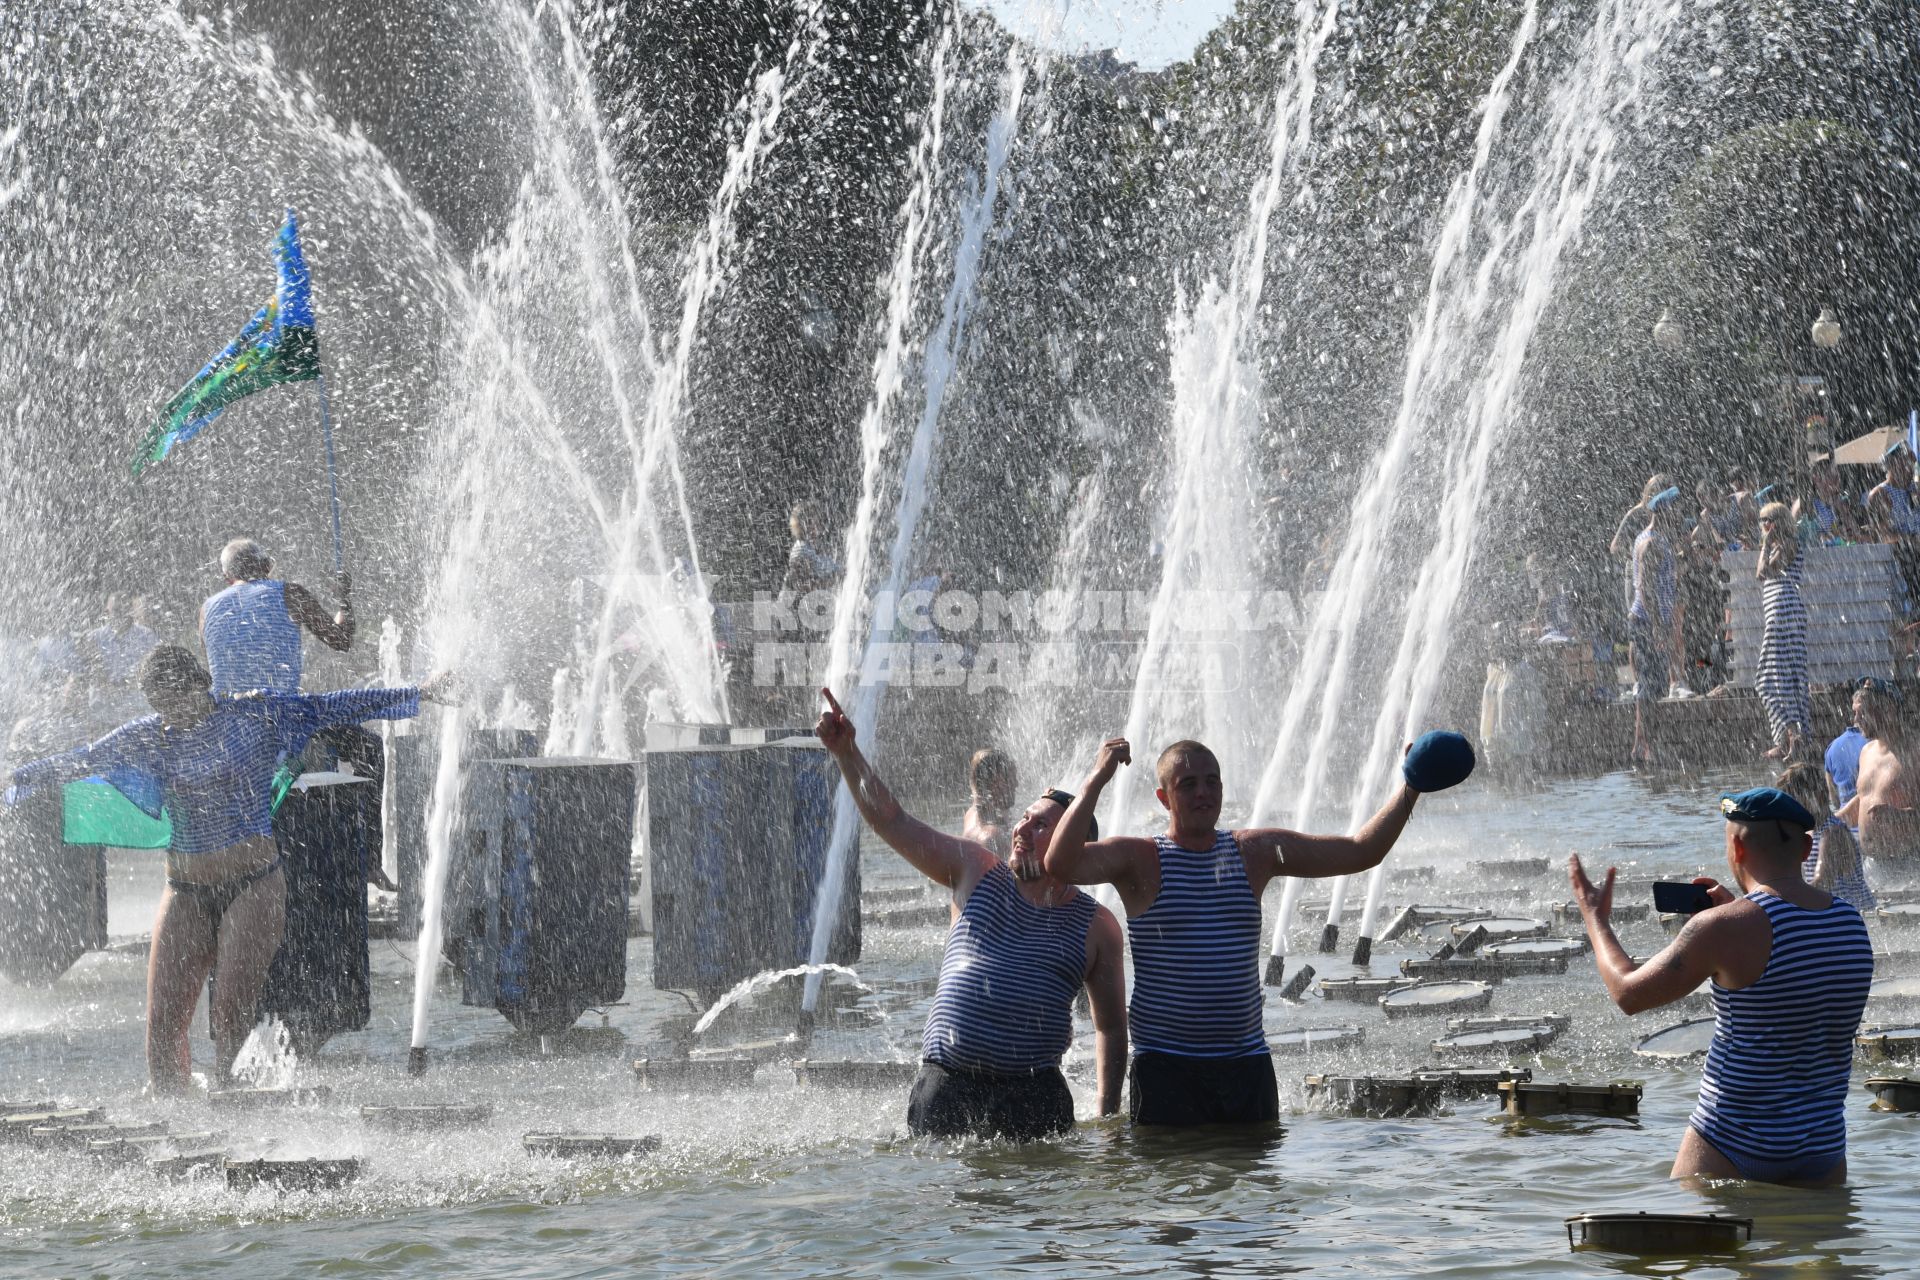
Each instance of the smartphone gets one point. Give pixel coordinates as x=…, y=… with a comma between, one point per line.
x=1672, y=897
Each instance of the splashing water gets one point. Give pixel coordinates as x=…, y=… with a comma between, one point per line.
x=267, y=1059
x=941, y=359
x=1216, y=412
x=761, y=981
x=1572, y=165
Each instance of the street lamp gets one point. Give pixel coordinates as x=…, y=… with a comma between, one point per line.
x=1825, y=331
x=1667, y=333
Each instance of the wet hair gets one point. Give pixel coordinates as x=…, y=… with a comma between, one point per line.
x=1655, y=483
x=991, y=771
x=171, y=669
x=1778, y=511
x=1065, y=798
x=244, y=561
x=1806, y=783
x=1184, y=747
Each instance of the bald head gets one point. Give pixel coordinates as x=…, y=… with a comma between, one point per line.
x=242, y=560
x=1184, y=752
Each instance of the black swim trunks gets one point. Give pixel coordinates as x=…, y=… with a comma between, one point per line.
x=216, y=898
x=1164, y=1088
x=950, y=1103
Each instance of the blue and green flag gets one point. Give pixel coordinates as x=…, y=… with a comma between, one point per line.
x=278, y=345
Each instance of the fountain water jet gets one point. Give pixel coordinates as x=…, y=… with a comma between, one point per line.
x=937, y=368
x=1216, y=396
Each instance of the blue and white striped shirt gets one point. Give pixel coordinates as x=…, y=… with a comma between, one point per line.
x=215, y=778
x=1196, y=957
x=1774, y=1088
x=1007, y=980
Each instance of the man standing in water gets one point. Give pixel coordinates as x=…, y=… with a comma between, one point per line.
x=1790, y=966
x=1017, y=954
x=1884, y=809
x=252, y=628
x=1193, y=918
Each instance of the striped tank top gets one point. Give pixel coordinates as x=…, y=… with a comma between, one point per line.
x=1850, y=874
x=1196, y=957
x=1007, y=981
x=251, y=641
x=1901, y=512
x=1774, y=1088
x=1665, y=587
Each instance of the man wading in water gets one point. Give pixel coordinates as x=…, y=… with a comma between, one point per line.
x=1790, y=966
x=1017, y=954
x=1193, y=917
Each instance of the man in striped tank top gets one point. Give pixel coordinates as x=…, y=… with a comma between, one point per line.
x=1790, y=966
x=1192, y=898
x=1016, y=955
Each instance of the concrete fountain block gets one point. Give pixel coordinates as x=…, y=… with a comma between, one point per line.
x=590, y=1145
x=291, y=1175
x=1658, y=1233
x=1378, y=1097
x=427, y=1115
x=1893, y=1093
x=1305, y=1039
x=694, y=1075
x=18, y=1108
x=80, y=1137
x=1888, y=1044
x=1532, y=1098
x=1492, y=1043
x=1471, y=1082
x=854, y=1075
x=1428, y=999
x=19, y=1127
x=1360, y=990
x=239, y=1099
x=189, y=1164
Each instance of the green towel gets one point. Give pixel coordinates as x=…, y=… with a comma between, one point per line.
x=95, y=813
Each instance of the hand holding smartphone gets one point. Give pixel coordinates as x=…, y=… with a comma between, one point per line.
x=1674, y=897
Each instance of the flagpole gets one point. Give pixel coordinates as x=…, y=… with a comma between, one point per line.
x=333, y=479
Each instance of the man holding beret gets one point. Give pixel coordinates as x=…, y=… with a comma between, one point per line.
x=1790, y=966
x=1192, y=898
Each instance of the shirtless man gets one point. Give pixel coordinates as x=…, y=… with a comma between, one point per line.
x=994, y=781
x=1885, y=810
x=1192, y=897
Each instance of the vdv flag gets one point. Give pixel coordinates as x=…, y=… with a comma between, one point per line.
x=278, y=345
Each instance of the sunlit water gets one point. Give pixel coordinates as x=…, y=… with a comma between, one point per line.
x=781, y=1180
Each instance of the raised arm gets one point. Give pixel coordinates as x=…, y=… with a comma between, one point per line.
x=335, y=630
x=1070, y=855
x=126, y=748
x=351, y=706
x=1106, y=981
x=1674, y=974
x=1271, y=851
x=945, y=859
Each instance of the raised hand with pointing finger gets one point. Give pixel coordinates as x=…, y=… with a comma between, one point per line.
x=834, y=729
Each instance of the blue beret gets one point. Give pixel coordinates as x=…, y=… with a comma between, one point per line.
x=1437, y=760
x=1659, y=500
x=1766, y=804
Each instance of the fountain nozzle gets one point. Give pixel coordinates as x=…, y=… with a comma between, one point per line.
x=417, y=1060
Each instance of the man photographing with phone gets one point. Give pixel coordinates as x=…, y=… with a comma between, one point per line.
x=1790, y=966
